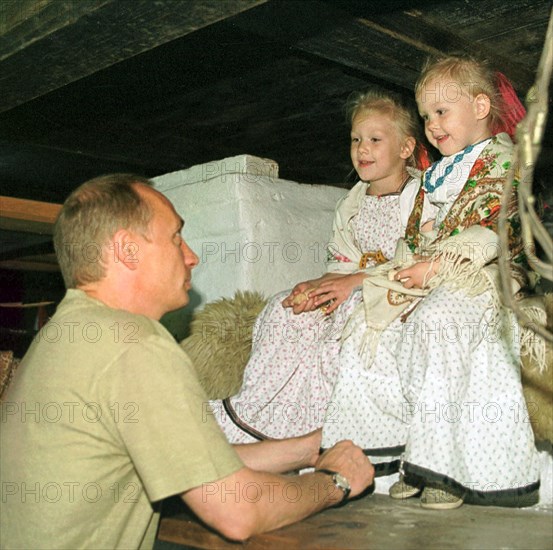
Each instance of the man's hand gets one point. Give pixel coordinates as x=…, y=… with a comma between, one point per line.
x=348, y=459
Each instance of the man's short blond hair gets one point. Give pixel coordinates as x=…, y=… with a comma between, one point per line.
x=90, y=217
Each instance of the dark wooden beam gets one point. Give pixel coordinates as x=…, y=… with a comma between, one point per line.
x=507, y=34
x=388, y=45
x=31, y=263
x=28, y=215
x=44, y=49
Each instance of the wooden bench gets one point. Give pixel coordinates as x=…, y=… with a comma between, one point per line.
x=377, y=521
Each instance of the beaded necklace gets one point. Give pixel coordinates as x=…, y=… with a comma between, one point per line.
x=428, y=187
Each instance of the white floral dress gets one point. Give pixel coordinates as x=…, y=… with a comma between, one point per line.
x=443, y=394
x=294, y=362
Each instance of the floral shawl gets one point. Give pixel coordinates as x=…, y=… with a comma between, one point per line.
x=468, y=231
x=478, y=204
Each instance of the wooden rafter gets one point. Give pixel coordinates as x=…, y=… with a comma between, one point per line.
x=27, y=215
x=64, y=40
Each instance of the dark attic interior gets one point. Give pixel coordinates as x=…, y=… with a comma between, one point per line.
x=90, y=87
x=97, y=86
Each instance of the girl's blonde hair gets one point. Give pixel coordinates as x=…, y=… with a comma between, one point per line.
x=473, y=77
x=392, y=105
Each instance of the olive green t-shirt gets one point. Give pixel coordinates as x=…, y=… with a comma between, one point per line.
x=104, y=416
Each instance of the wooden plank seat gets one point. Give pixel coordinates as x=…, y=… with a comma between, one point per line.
x=377, y=521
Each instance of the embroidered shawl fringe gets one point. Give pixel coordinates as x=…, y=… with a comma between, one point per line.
x=532, y=346
x=460, y=274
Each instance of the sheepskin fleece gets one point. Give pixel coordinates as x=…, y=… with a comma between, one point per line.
x=538, y=385
x=220, y=342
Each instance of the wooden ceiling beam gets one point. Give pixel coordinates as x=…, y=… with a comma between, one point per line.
x=363, y=45
x=49, y=44
x=420, y=28
x=391, y=47
x=27, y=215
x=31, y=264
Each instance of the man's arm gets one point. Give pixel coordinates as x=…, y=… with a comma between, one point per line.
x=249, y=502
x=281, y=455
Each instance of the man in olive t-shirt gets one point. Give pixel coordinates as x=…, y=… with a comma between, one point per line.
x=105, y=415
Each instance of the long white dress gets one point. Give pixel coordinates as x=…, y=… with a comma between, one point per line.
x=294, y=361
x=443, y=394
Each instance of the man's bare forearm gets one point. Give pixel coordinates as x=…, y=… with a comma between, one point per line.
x=281, y=455
x=249, y=501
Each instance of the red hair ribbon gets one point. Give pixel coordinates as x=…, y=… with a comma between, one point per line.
x=513, y=110
x=422, y=157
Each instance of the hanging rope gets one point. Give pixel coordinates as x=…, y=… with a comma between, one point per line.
x=529, y=138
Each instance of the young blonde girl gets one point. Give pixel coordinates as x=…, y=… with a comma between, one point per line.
x=295, y=355
x=439, y=395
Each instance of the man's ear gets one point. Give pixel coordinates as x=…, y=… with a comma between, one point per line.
x=482, y=106
x=408, y=147
x=124, y=249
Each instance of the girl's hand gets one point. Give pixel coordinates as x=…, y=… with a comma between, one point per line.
x=418, y=275
x=299, y=303
x=333, y=292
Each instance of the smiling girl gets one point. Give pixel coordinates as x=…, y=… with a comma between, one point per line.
x=297, y=337
x=436, y=397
